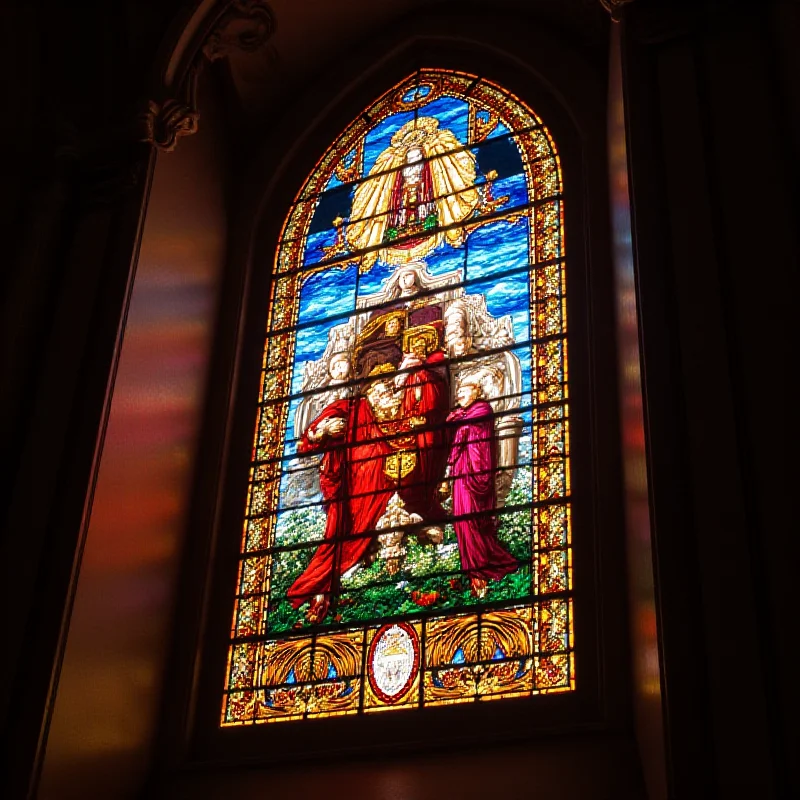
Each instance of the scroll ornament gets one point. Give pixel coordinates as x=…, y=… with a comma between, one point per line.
x=165, y=123
x=246, y=25
x=615, y=7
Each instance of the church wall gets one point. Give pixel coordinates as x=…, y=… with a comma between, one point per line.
x=708, y=126
x=109, y=689
x=74, y=179
x=646, y=689
x=759, y=257
x=574, y=768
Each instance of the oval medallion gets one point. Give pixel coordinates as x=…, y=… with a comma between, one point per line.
x=393, y=661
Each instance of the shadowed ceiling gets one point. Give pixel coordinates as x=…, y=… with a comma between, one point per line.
x=311, y=34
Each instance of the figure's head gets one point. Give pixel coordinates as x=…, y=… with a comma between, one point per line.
x=339, y=366
x=419, y=347
x=393, y=326
x=407, y=279
x=414, y=155
x=469, y=390
x=456, y=333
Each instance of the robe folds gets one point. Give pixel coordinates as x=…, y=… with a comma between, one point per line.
x=427, y=396
x=355, y=492
x=472, y=463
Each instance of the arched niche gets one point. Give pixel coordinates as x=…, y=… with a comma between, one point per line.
x=572, y=101
x=191, y=554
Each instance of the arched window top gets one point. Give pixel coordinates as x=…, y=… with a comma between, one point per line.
x=406, y=534
x=446, y=119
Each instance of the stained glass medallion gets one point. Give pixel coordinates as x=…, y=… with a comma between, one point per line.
x=406, y=539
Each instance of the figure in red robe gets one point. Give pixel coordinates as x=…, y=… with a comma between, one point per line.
x=472, y=466
x=370, y=451
x=426, y=400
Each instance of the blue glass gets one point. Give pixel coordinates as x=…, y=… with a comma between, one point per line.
x=380, y=137
x=416, y=93
x=498, y=247
x=328, y=293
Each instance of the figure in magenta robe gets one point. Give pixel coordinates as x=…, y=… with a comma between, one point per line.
x=472, y=465
x=370, y=450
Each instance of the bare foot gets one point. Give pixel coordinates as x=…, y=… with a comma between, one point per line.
x=317, y=609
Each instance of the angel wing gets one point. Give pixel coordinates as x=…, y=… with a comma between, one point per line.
x=318, y=391
x=494, y=333
x=308, y=410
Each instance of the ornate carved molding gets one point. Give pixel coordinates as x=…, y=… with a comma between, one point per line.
x=615, y=7
x=164, y=123
x=246, y=25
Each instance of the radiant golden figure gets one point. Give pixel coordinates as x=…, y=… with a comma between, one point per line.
x=417, y=191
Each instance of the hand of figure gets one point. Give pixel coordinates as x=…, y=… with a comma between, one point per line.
x=334, y=425
x=315, y=434
x=410, y=360
x=445, y=489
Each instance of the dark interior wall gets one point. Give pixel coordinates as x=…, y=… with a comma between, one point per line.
x=109, y=695
x=711, y=104
x=577, y=768
x=759, y=257
x=71, y=199
x=646, y=688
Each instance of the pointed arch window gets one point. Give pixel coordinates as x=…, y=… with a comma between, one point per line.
x=406, y=536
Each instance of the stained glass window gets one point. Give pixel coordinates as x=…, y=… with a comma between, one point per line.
x=406, y=539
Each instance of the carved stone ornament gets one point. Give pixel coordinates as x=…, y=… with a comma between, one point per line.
x=246, y=25
x=615, y=7
x=166, y=122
